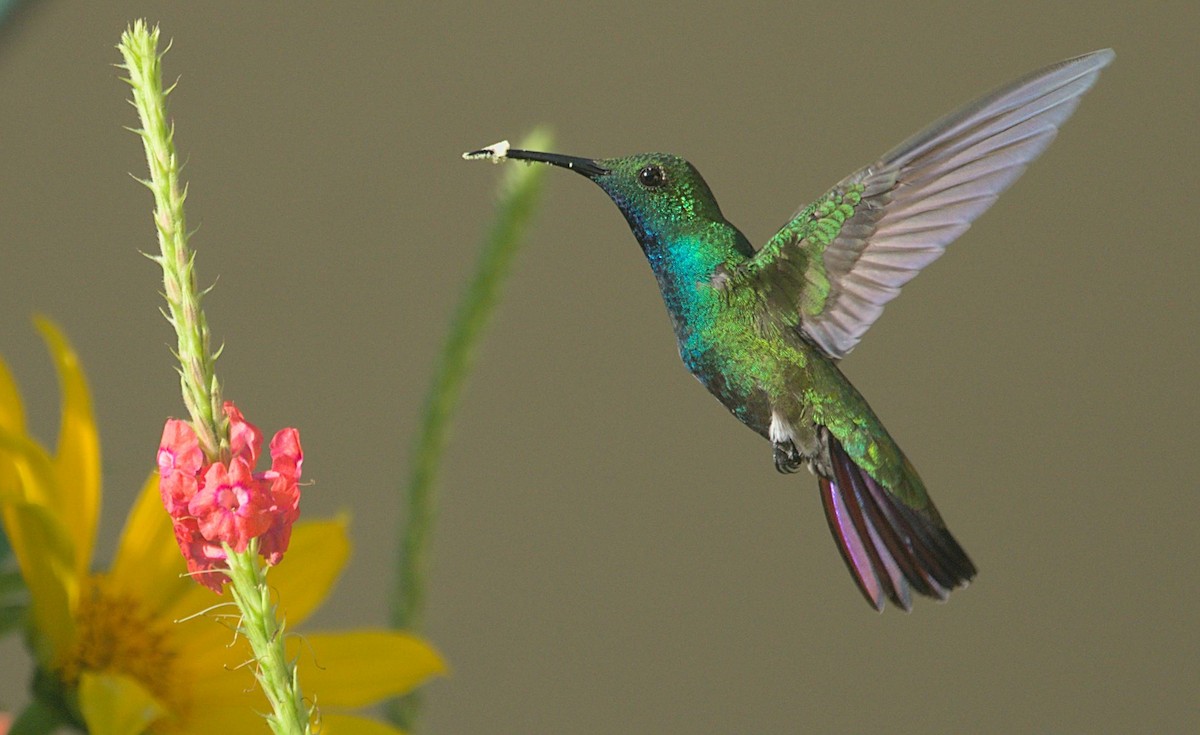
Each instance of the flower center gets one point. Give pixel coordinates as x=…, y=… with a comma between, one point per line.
x=116, y=635
x=231, y=498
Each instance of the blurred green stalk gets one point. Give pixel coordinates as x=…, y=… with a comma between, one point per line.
x=6, y=6
x=518, y=196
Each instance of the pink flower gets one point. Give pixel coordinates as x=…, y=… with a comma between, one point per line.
x=180, y=449
x=205, y=559
x=214, y=503
x=231, y=505
x=179, y=461
x=286, y=460
x=286, y=455
x=244, y=437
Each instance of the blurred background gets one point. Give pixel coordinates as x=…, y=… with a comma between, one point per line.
x=614, y=553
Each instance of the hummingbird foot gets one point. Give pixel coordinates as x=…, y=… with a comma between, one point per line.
x=787, y=457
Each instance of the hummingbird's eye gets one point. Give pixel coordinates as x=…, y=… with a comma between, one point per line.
x=652, y=176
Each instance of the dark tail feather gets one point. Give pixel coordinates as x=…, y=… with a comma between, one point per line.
x=889, y=547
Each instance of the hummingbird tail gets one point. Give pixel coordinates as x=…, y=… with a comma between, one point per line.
x=889, y=547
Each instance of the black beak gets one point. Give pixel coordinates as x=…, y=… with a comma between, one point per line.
x=585, y=166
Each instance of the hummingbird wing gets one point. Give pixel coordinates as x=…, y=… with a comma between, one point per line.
x=833, y=267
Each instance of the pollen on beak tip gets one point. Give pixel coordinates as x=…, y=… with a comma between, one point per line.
x=496, y=152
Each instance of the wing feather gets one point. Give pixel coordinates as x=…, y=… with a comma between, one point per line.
x=834, y=266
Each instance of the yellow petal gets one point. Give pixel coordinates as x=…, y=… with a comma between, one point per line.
x=192, y=599
x=44, y=550
x=12, y=421
x=78, y=458
x=150, y=568
x=331, y=724
x=148, y=564
x=113, y=704
x=361, y=667
x=221, y=660
x=228, y=683
x=34, y=478
x=12, y=413
x=245, y=719
x=41, y=547
x=314, y=559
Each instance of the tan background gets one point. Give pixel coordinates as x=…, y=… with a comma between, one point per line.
x=615, y=553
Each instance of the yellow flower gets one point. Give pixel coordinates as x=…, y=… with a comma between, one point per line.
x=141, y=646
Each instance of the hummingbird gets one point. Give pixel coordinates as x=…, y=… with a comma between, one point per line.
x=764, y=330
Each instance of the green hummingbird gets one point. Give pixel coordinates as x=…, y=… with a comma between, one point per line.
x=764, y=330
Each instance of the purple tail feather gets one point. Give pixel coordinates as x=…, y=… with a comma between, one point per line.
x=890, y=548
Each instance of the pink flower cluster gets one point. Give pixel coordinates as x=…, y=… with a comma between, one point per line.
x=212, y=503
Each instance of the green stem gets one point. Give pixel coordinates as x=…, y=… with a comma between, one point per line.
x=261, y=627
x=201, y=392
x=513, y=212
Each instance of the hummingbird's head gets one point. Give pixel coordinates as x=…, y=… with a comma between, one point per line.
x=659, y=194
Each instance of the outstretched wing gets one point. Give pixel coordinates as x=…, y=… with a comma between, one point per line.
x=834, y=266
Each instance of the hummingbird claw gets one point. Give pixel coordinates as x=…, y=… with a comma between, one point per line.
x=787, y=458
